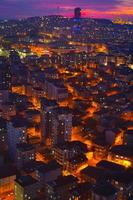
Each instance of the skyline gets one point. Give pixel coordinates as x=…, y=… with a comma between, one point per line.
x=28, y=8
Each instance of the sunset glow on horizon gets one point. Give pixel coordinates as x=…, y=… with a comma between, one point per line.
x=92, y=8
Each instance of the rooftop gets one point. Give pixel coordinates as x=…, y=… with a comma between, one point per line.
x=7, y=171
x=47, y=102
x=81, y=189
x=61, y=181
x=125, y=178
x=25, y=147
x=26, y=181
x=129, y=132
x=122, y=150
x=19, y=122
x=104, y=189
x=63, y=110
x=50, y=70
x=93, y=172
x=78, y=159
x=111, y=166
x=52, y=165
x=32, y=166
x=58, y=83
x=73, y=144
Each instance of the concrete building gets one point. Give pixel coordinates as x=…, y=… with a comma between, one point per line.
x=123, y=181
x=26, y=188
x=75, y=163
x=59, y=189
x=5, y=79
x=8, y=110
x=100, y=149
x=47, y=107
x=55, y=90
x=92, y=174
x=121, y=154
x=68, y=150
x=3, y=133
x=77, y=13
x=48, y=172
x=82, y=191
x=25, y=154
x=61, y=125
x=128, y=138
x=104, y=191
x=16, y=133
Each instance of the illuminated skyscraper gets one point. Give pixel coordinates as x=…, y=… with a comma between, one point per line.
x=77, y=13
x=16, y=134
x=61, y=125
x=47, y=107
x=5, y=79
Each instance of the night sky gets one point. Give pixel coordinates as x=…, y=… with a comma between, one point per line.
x=92, y=8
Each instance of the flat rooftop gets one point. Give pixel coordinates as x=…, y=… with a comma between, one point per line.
x=26, y=181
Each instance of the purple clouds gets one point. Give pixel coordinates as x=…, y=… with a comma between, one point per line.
x=96, y=8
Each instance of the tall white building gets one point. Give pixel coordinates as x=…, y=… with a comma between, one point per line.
x=61, y=125
x=16, y=134
x=56, y=90
x=47, y=107
x=3, y=133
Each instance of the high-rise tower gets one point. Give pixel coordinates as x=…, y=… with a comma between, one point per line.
x=77, y=13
